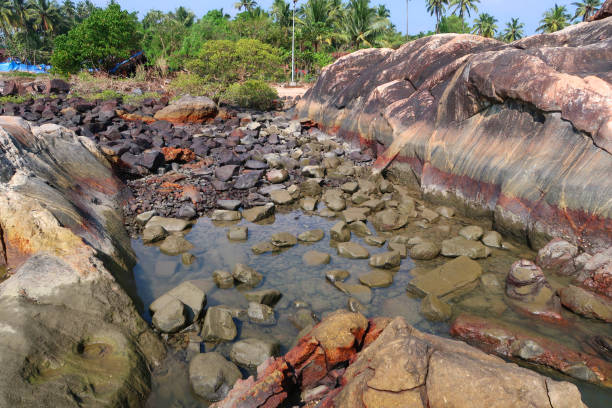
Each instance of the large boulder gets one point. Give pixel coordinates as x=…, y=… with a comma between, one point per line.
x=520, y=133
x=71, y=336
x=188, y=109
x=391, y=364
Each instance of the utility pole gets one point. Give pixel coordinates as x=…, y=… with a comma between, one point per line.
x=407, y=35
x=293, y=48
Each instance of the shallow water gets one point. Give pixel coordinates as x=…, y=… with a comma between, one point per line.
x=157, y=273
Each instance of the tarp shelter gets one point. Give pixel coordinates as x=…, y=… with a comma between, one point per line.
x=12, y=66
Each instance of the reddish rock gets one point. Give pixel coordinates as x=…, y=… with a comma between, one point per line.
x=498, y=127
x=188, y=109
x=131, y=117
x=558, y=256
x=513, y=342
x=605, y=11
x=174, y=154
x=596, y=273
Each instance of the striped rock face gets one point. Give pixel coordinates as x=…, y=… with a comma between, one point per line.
x=521, y=132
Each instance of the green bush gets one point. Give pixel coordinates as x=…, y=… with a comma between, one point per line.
x=236, y=61
x=251, y=94
x=195, y=85
x=105, y=38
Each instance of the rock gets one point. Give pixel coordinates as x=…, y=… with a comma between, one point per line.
x=144, y=217
x=313, y=171
x=472, y=232
x=373, y=204
x=223, y=279
x=255, y=165
x=385, y=260
x=211, y=376
x=225, y=215
x=354, y=214
x=58, y=86
x=315, y=258
x=491, y=284
x=187, y=212
x=350, y=187
x=281, y=197
x=375, y=240
x=360, y=292
x=189, y=294
x=337, y=275
x=334, y=202
x=277, y=176
x=231, y=205
x=188, y=259
x=266, y=297
x=389, y=220
x=225, y=173
x=247, y=275
x=446, y=212
x=261, y=314
x=247, y=180
x=238, y=233
x=424, y=251
x=153, y=234
x=303, y=318
x=309, y=204
x=264, y=247
x=169, y=224
x=459, y=246
x=366, y=186
x=558, y=256
x=352, y=250
x=450, y=280
x=377, y=279
x=586, y=303
x=175, y=244
x=435, y=310
x=283, y=239
x=218, y=325
x=169, y=317
x=340, y=232
x=312, y=236
x=447, y=167
x=531, y=292
x=259, y=213
x=492, y=239
x=188, y=109
x=251, y=353
x=311, y=187
x=401, y=249
x=360, y=228
x=429, y=215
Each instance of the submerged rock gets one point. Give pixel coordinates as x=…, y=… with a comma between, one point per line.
x=251, y=353
x=459, y=246
x=218, y=325
x=352, y=250
x=211, y=376
x=247, y=275
x=450, y=280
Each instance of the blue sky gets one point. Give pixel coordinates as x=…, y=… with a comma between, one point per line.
x=528, y=11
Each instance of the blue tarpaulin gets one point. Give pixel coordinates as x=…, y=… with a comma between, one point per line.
x=138, y=54
x=13, y=65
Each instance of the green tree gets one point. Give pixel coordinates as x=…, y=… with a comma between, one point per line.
x=46, y=14
x=319, y=21
x=464, y=6
x=282, y=13
x=485, y=25
x=437, y=8
x=106, y=37
x=247, y=5
x=163, y=35
x=513, y=30
x=555, y=19
x=84, y=10
x=586, y=9
x=362, y=24
x=454, y=24
x=183, y=16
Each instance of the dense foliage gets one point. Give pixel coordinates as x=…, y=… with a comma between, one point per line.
x=251, y=94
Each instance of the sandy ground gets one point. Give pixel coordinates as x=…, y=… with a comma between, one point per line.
x=293, y=92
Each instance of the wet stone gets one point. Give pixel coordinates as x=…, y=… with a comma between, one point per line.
x=473, y=232
x=188, y=259
x=401, y=249
x=303, y=318
x=309, y=204
x=144, y=217
x=283, y=240
x=223, y=279
x=153, y=234
x=352, y=250
x=264, y=247
x=259, y=213
x=169, y=224
x=354, y=214
x=315, y=258
x=261, y=314
x=377, y=279
x=375, y=240
x=312, y=235
x=251, y=353
x=459, y=246
x=266, y=296
x=424, y=251
x=231, y=205
x=281, y=197
x=238, y=233
x=389, y=220
x=211, y=376
x=337, y=275
x=225, y=215
x=277, y=176
x=175, y=244
x=360, y=292
x=247, y=275
x=169, y=316
x=434, y=309
x=360, y=228
x=492, y=239
x=340, y=232
x=350, y=187
x=386, y=260
x=218, y=325
x=247, y=180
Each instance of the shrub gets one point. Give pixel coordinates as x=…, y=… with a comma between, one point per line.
x=251, y=94
x=195, y=85
x=232, y=61
x=105, y=38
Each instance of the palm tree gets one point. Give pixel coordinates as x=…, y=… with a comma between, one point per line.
x=46, y=14
x=513, y=31
x=248, y=5
x=555, y=19
x=183, y=16
x=319, y=19
x=281, y=11
x=383, y=11
x=436, y=7
x=464, y=6
x=586, y=9
x=6, y=15
x=362, y=24
x=22, y=13
x=485, y=25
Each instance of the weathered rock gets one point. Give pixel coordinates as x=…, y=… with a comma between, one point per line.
x=452, y=279
x=459, y=246
x=170, y=316
x=337, y=275
x=218, y=325
x=354, y=214
x=225, y=173
x=247, y=275
x=425, y=250
x=473, y=232
x=340, y=232
x=360, y=292
x=283, y=239
x=434, y=309
x=309, y=204
x=558, y=256
x=437, y=105
x=212, y=376
x=175, y=244
x=281, y=197
x=188, y=109
x=315, y=258
x=375, y=240
x=223, y=279
x=261, y=314
x=192, y=298
x=277, y=176
x=389, y=220
x=264, y=247
x=352, y=250
x=386, y=260
x=266, y=296
x=492, y=239
x=169, y=224
x=247, y=180
x=153, y=234
x=251, y=353
x=238, y=233
x=225, y=215
x=586, y=303
x=259, y=213
x=377, y=279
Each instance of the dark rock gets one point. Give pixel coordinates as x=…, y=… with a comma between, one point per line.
x=248, y=180
x=225, y=173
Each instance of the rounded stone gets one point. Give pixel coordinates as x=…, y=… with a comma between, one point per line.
x=424, y=251
x=315, y=258
x=387, y=260
x=251, y=352
x=352, y=250
x=170, y=317
x=212, y=376
x=312, y=235
x=283, y=239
